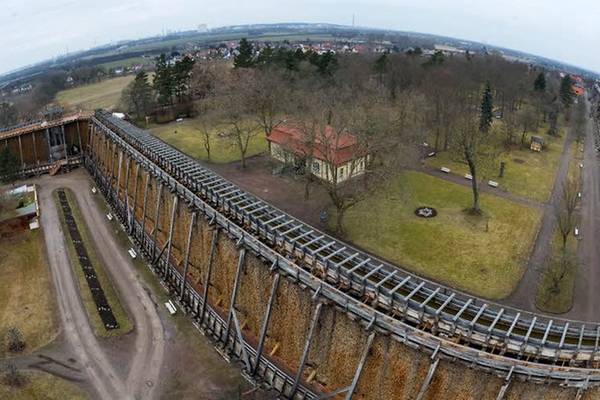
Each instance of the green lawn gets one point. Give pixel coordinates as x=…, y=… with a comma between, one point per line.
x=105, y=94
x=187, y=137
x=26, y=293
x=125, y=324
x=41, y=386
x=529, y=174
x=481, y=255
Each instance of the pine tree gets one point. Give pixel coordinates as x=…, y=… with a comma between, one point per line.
x=245, y=58
x=9, y=165
x=566, y=91
x=138, y=96
x=539, y=85
x=487, y=108
x=181, y=74
x=163, y=81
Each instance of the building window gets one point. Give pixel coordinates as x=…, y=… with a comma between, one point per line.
x=316, y=167
x=342, y=171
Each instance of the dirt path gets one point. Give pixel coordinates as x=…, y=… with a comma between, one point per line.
x=586, y=294
x=75, y=324
x=146, y=353
x=524, y=295
x=483, y=187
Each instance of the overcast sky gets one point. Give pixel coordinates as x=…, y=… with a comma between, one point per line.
x=35, y=30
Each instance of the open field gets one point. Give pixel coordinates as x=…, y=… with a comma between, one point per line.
x=128, y=62
x=105, y=94
x=125, y=325
x=187, y=137
x=481, y=255
x=26, y=294
x=42, y=386
x=529, y=174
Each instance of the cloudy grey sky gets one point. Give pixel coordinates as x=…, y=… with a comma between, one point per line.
x=34, y=30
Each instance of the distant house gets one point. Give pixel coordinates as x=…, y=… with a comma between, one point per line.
x=331, y=155
x=537, y=143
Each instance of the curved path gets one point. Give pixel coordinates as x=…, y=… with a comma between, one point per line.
x=146, y=354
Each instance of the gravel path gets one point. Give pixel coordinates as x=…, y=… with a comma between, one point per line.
x=146, y=353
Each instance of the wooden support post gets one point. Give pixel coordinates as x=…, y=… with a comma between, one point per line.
x=361, y=364
x=135, y=194
x=79, y=136
x=238, y=330
x=126, y=202
x=311, y=332
x=171, y=226
x=503, y=390
x=21, y=151
x=428, y=379
x=265, y=325
x=234, y=292
x=64, y=141
x=156, y=217
x=35, y=155
x=186, y=260
x=50, y=158
x=144, y=206
x=119, y=166
x=213, y=247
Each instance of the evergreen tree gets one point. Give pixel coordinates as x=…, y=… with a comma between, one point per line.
x=566, y=91
x=539, y=85
x=181, y=74
x=163, y=81
x=245, y=58
x=9, y=165
x=381, y=64
x=137, y=98
x=487, y=108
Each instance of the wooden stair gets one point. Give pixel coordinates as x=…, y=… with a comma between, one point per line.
x=57, y=166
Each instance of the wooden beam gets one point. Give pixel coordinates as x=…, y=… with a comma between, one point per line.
x=171, y=226
x=234, y=292
x=428, y=379
x=211, y=257
x=186, y=260
x=311, y=332
x=266, y=320
x=361, y=364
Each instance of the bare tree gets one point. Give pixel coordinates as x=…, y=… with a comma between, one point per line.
x=565, y=210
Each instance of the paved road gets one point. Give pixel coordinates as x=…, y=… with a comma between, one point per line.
x=148, y=349
x=524, y=295
x=587, y=296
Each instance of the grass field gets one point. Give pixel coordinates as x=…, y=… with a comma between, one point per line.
x=41, y=386
x=125, y=325
x=187, y=137
x=128, y=62
x=481, y=255
x=26, y=294
x=529, y=174
x=105, y=94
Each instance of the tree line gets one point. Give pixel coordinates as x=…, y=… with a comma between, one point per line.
x=391, y=103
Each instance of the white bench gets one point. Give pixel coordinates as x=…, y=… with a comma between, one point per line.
x=580, y=165
x=109, y=217
x=431, y=154
x=469, y=177
x=493, y=184
x=576, y=232
x=132, y=253
x=94, y=190
x=445, y=169
x=171, y=307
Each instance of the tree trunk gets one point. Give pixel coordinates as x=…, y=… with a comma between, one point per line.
x=339, y=219
x=474, y=185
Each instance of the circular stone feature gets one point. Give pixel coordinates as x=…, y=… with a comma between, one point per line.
x=426, y=212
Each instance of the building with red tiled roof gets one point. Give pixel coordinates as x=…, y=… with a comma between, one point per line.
x=327, y=154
